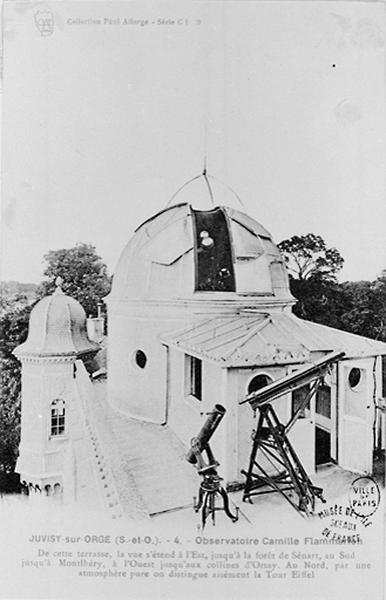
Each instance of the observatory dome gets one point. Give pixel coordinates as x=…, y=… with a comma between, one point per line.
x=182, y=251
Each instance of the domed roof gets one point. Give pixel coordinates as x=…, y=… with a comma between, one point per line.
x=182, y=251
x=57, y=327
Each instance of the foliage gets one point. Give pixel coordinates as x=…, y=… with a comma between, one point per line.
x=312, y=271
x=364, y=310
x=83, y=272
x=13, y=327
x=10, y=387
x=307, y=256
x=319, y=300
x=13, y=331
x=357, y=306
x=15, y=291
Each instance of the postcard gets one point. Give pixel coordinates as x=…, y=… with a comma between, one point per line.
x=193, y=298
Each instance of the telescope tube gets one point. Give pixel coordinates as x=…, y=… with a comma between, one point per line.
x=207, y=430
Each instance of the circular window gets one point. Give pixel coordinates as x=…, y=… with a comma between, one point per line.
x=354, y=377
x=140, y=359
x=258, y=382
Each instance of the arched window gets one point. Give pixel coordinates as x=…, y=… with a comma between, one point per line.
x=58, y=410
x=258, y=382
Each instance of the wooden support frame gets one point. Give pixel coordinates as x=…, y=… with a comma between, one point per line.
x=271, y=442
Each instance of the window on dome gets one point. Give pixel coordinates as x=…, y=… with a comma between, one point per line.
x=213, y=252
x=58, y=410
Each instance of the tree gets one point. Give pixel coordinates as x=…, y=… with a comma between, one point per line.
x=13, y=327
x=13, y=331
x=318, y=300
x=307, y=256
x=312, y=271
x=10, y=387
x=83, y=272
x=364, y=311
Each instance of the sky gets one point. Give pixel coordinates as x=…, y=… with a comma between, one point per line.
x=108, y=115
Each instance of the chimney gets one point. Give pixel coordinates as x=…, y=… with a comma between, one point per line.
x=95, y=326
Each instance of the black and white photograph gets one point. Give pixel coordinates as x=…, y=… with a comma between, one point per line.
x=193, y=299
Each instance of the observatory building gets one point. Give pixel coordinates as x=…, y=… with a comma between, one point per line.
x=200, y=313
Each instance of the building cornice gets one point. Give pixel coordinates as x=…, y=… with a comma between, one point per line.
x=209, y=299
x=32, y=358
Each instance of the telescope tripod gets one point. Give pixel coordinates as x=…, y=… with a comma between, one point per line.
x=210, y=487
x=270, y=441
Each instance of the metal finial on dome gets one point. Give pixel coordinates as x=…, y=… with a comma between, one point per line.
x=205, y=176
x=58, y=283
x=204, y=170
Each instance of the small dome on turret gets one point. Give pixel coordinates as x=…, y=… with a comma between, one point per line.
x=57, y=327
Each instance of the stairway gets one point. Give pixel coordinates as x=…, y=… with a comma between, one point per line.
x=147, y=461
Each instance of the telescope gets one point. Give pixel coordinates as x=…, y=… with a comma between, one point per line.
x=206, y=432
x=272, y=449
x=210, y=487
